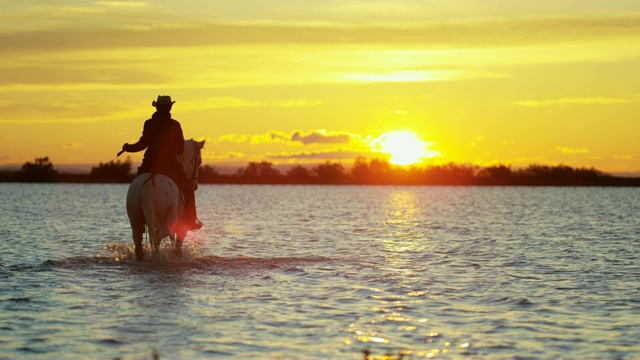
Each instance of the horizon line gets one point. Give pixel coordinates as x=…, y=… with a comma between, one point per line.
x=70, y=168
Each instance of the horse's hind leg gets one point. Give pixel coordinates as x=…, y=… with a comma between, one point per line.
x=138, y=233
x=155, y=239
x=179, y=248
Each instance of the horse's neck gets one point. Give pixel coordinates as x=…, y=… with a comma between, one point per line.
x=186, y=156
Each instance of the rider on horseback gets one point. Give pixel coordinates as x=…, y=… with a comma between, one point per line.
x=163, y=139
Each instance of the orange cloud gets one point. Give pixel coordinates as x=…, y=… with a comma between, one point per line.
x=234, y=102
x=124, y=4
x=232, y=138
x=566, y=150
x=454, y=34
x=598, y=100
x=223, y=155
x=626, y=157
x=73, y=145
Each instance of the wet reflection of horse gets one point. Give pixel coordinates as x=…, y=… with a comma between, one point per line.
x=155, y=201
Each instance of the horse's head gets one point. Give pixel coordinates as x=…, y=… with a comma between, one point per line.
x=191, y=158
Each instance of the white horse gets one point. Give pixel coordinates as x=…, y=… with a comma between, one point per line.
x=155, y=201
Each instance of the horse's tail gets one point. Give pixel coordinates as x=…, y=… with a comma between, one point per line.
x=149, y=211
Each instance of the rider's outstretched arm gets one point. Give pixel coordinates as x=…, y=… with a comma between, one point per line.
x=142, y=143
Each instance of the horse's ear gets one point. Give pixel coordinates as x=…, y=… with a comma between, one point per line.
x=200, y=144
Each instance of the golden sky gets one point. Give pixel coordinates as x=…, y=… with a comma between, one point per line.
x=302, y=81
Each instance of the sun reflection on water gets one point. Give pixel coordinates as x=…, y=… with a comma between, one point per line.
x=403, y=223
x=398, y=318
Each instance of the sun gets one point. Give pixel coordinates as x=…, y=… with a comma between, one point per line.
x=404, y=147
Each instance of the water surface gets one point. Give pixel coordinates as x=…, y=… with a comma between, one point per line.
x=307, y=272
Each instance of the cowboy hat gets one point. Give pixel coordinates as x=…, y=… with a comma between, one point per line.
x=162, y=100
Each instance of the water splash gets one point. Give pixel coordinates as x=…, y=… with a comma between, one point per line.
x=125, y=252
x=194, y=257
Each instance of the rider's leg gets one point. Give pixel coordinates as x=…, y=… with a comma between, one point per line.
x=190, y=216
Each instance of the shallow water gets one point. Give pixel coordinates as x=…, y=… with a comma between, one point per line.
x=307, y=272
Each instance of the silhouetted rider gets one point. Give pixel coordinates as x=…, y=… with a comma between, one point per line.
x=162, y=137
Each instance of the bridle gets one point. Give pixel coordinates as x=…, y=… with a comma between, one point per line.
x=195, y=162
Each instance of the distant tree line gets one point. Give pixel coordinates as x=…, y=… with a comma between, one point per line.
x=363, y=172
x=42, y=170
x=381, y=172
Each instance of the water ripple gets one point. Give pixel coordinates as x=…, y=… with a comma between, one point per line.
x=326, y=272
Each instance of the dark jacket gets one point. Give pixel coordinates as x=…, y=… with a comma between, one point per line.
x=162, y=137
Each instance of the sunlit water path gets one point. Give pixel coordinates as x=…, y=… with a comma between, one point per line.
x=307, y=272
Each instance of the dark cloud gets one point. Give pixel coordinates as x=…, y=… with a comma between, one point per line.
x=320, y=138
x=314, y=137
x=322, y=155
x=277, y=135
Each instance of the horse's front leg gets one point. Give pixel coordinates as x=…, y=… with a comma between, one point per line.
x=179, y=240
x=180, y=235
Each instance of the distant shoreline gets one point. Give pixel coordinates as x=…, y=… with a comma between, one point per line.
x=363, y=172
x=610, y=181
